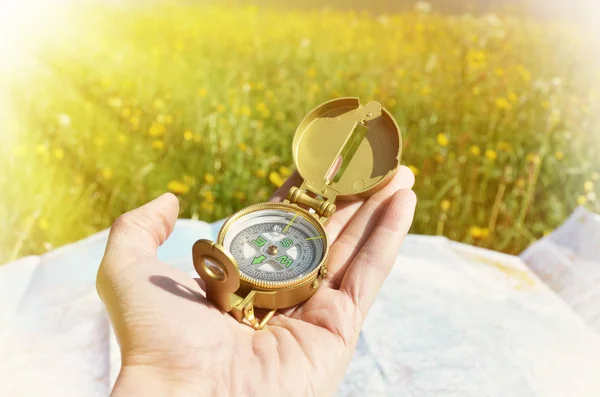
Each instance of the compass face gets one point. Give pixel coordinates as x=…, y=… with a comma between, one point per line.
x=275, y=245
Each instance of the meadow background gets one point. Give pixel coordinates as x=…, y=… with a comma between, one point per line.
x=119, y=103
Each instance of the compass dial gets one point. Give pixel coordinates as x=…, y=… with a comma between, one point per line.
x=275, y=245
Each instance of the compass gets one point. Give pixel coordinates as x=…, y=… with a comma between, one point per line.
x=276, y=245
x=274, y=255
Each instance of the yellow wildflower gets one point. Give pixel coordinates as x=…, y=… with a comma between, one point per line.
x=475, y=150
x=285, y=171
x=209, y=178
x=156, y=129
x=502, y=103
x=59, y=153
x=261, y=107
x=107, y=173
x=512, y=96
x=491, y=154
x=158, y=144
x=311, y=72
x=208, y=196
x=425, y=91
x=260, y=173
x=442, y=139
x=475, y=232
x=242, y=146
x=188, y=135
x=533, y=158
x=221, y=108
x=134, y=121
x=275, y=179
x=546, y=104
x=121, y=138
x=43, y=224
x=99, y=141
x=520, y=183
x=445, y=205
x=126, y=113
x=559, y=155
x=588, y=186
x=202, y=93
x=414, y=169
x=245, y=110
x=391, y=102
x=525, y=74
x=581, y=200
x=178, y=187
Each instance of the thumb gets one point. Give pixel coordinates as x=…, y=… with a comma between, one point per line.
x=140, y=232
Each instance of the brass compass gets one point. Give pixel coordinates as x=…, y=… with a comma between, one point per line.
x=274, y=255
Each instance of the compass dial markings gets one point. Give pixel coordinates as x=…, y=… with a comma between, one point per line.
x=285, y=239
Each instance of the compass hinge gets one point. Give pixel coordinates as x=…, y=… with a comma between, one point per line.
x=323, y=207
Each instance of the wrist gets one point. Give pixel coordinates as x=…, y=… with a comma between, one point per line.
x=152, y=382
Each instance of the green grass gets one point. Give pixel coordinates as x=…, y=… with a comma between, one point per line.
x=498, y=116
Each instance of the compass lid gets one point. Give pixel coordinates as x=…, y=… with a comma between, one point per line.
x=345, y=149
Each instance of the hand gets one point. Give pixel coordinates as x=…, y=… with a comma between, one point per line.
x=174, y=342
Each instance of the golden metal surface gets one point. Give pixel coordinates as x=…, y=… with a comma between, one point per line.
x=219, y=290
x=346, y=150
x=341, y=150
x=251, y=318
x=322, y=207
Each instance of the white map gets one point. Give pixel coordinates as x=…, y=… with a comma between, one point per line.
x=451, y=320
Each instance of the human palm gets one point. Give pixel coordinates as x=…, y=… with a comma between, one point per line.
x=175, y=342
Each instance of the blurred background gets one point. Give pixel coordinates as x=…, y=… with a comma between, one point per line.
x=104, y=105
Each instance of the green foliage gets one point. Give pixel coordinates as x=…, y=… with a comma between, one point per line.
x=125, y=103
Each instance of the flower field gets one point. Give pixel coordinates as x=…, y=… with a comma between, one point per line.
x=499, y=116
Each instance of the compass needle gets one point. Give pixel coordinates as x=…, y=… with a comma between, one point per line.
x=290, y=224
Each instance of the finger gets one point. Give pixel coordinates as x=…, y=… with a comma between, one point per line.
x=346, y=210
x=371, y=266
x=404, y=179
x=140, y=232
x=360, y=226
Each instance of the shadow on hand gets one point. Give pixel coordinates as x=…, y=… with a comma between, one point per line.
x=172, y=286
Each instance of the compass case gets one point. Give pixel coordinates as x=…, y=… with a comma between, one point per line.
x=364, y=142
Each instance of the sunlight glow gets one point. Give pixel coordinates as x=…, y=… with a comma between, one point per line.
x=23, y=23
